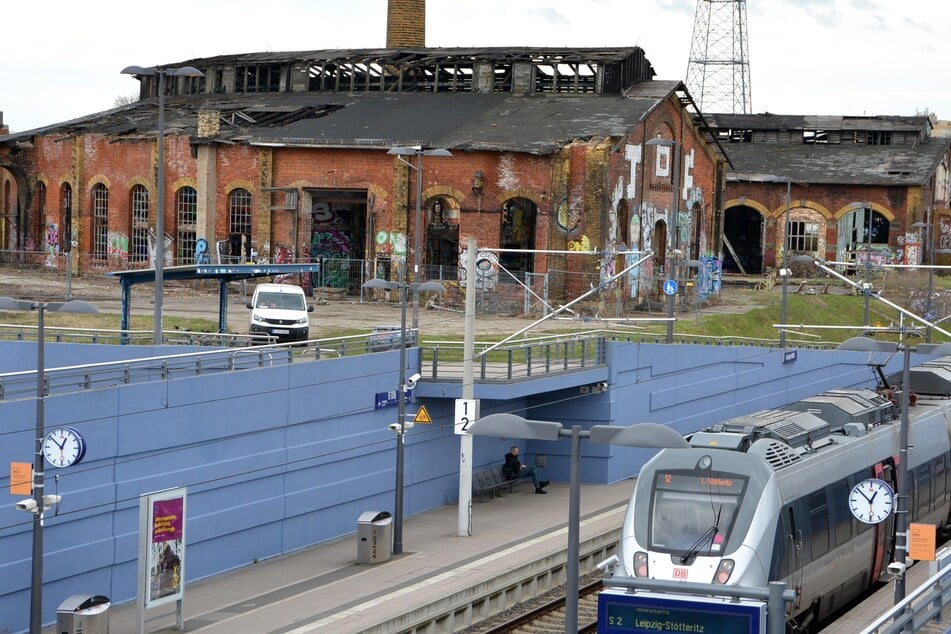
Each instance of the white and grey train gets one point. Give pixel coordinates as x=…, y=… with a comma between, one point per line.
x=766, y=497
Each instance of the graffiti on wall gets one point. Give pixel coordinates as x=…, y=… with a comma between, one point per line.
x=581, y=244
x=52, y=243
x=709, y=277
x=331, y=239
x=909, y=248
x=391, y=243
x=117, y=246
x=566, y=217
x=944, y=232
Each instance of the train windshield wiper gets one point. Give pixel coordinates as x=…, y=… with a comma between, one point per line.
x=707, y=535
x=695, y=548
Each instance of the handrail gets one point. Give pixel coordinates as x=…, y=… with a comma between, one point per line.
x=924, y=604
x=22, y=384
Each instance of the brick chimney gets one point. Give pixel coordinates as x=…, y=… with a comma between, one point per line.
x=406, y=24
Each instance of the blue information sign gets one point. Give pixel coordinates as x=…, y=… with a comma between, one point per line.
x=670, y=287
x=388, y=399
x=649, y=613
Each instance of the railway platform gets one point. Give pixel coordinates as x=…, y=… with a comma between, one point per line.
x=440, y=583
x=516, y=544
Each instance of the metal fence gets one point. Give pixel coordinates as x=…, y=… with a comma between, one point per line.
x=505, y=292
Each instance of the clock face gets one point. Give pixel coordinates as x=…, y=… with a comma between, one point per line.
x=64, y=447
x=871, y=500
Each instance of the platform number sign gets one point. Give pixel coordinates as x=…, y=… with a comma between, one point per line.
x=467, y=411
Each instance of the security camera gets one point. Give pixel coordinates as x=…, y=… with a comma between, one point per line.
x=412, y=380
x=608, y=565
x=50, y=500
x=395, y=427
x=28, y=504
x=896, y=568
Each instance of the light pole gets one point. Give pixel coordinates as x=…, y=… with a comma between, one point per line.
x=867, y=217
x=784, y=270
x=927, y=226
x=161, y=73
x=36, y=578
x=649, y=435
x=419, y=152
x=402, y=286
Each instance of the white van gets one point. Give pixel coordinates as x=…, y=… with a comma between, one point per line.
x=280, y=310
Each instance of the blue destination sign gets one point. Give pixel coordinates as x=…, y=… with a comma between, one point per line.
x=650, y=613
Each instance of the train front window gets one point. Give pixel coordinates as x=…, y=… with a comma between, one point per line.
x=692, y=513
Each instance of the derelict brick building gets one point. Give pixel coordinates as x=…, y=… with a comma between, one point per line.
x=285, y=155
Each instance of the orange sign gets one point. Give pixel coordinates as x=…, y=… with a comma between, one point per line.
x=921, y=541
x=21, y=478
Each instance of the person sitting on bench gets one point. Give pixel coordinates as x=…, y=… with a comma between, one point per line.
x=514, y=469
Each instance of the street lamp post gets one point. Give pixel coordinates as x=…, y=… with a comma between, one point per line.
x=649, y=435
x=36, y=577
x=419, y=152
x=929, y=244
x=161, y=73
x=784, y=271
x=867, y=210
x=402, y=287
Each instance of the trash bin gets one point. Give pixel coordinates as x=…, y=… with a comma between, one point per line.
x=374, y=537
x=83, y=614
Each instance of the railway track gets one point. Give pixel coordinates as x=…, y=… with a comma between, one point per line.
x=550, y=616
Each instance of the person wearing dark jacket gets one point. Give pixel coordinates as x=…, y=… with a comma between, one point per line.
x=513, y=469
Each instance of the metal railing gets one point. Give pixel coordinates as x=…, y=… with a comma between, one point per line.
x=57, y=334
x=89, y=376
x=442, y=360
x=923, y=606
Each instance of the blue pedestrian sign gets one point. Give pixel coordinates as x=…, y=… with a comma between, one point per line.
x=670, y=287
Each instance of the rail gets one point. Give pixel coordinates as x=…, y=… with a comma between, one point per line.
x=88, y=376
x=526, y=358
x=57, y=334
x=441, y=360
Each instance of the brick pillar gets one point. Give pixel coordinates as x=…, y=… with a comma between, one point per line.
x=406, y=24
x=207, y=177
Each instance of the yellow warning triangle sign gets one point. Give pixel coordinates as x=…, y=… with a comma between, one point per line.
x=422, y=416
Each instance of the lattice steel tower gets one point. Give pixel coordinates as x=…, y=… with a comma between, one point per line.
x=718, y=72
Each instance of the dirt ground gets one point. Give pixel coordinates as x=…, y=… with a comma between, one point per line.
x=332, y=312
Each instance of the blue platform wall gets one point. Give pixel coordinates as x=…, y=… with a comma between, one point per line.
x=277, y=459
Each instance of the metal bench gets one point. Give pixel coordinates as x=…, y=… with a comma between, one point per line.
x=490, y=481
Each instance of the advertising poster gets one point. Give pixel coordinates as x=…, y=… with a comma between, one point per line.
x=164, y=531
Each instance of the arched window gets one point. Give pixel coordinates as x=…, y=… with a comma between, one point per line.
x=139, y=224
x=100, y=221
x=239, y=224
x=186, y=224
x=66, y=213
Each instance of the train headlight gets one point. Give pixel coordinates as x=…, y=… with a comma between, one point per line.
x=640, y=564
x=724, y=570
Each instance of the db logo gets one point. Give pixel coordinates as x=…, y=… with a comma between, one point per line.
x=680, y=573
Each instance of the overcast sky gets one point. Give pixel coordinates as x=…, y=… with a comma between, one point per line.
x=61, y=59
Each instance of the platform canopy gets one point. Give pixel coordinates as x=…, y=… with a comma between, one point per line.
x=224, y=273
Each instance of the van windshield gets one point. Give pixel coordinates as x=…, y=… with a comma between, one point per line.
x=286, y=301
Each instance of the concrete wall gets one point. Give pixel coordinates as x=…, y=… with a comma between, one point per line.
x=277, y=459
